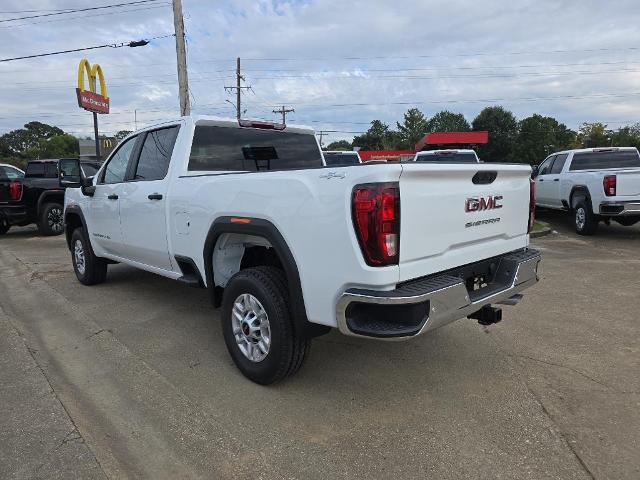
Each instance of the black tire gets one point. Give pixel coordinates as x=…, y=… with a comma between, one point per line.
x=51, y=221
x=4, y=226
x=287, y=350
x=95, y=268
x=585, y=222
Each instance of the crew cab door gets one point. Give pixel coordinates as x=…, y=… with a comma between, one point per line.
x=143, y=203
x=544, y=183
x=553, y=180
x=104, y=206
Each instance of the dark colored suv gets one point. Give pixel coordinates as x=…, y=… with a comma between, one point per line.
x=36, y=198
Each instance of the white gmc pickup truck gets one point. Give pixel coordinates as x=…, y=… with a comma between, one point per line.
x=290, y=248
x=595, y=184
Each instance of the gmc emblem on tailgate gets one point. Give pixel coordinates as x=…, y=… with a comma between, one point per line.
x=477, y=204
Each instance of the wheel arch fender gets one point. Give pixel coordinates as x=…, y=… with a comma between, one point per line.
x=262, y=228
x=47, y=196
x=578, y=191
x=73, y=218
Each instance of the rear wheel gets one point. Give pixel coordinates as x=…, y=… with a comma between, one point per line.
x=586, y=222
x=4, y=226
x=257, y=326
x=51, y=220
x=89, y=269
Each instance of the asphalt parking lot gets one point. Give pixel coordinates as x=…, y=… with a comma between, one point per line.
x=132, y=379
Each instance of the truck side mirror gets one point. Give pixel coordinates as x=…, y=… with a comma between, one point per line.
x=69, y=173
x=70, y=176
x=534, y=171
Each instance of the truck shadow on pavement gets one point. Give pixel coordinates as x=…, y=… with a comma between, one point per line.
x=563, y=223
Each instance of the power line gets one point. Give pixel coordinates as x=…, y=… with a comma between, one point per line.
x=92, y=15
x=445, y=55
x=137, y=43
x=64, y=12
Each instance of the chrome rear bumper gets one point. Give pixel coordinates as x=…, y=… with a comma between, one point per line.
x=433, y=301
x=620, y=208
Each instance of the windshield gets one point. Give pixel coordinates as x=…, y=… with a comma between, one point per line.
x=251, y=149
x=604, y=160
x=341, y=159
x=448, y=157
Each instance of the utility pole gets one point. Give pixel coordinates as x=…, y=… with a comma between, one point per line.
x=238, y=88
x=321, y=134
x=181, y=52
x=284, y=112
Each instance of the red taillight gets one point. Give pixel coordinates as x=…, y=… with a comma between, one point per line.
x=376, y=217
x=532, y=205
x=15, y=191
x=609, y=184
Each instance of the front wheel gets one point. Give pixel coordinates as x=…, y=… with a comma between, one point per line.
x=89, y=269
x=257, y=326
x=586, y=222
x=51, y=220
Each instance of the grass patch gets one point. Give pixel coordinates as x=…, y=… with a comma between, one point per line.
x=537, y=226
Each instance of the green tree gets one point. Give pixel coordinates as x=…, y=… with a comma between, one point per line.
x=628, y=136
x=338, y=145
x=374, y=138
x=502, y=127
x=446, y=121
x=591, y=135
x=121, y=134
x=59, y=146
x=538, y=136
x=412, y=129
x=28, y=139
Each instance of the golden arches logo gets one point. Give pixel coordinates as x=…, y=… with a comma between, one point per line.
x=90, y=99
x=107, y=143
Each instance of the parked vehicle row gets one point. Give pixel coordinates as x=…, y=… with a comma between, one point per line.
x=594, y=184
x=290, y=247
x=35, y=196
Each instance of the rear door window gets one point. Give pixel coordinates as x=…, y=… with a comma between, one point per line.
x=51, y=170
x=35, y=170
x=559, y=163
x=605, y=160
x=251, y=149
x=156, y=154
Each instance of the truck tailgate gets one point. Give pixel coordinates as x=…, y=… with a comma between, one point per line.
x=448, y=219
x=628, y=183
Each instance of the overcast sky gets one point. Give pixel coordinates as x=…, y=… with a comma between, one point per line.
x=339, y=63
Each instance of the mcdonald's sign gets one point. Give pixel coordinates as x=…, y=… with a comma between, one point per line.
x=90, y=99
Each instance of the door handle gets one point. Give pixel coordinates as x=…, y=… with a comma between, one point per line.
x=113, y=197
x=556, y=179
x=541, y=179
x=155, y=196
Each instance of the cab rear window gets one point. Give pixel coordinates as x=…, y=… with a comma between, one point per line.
x=605, y=160
x=250, y=149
